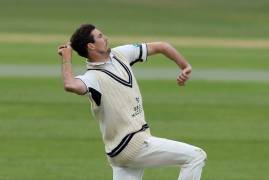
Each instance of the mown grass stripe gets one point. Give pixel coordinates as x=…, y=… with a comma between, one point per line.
x=175, y=40
x=142, y=73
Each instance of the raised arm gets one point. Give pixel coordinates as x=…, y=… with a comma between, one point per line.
x=171, y=53
x=70, y=83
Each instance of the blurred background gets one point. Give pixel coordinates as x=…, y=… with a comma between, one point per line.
x=47, y=134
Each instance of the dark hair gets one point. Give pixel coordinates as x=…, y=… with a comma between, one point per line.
x=81, y=37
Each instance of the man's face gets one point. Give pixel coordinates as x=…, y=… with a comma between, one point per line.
x=101, y=41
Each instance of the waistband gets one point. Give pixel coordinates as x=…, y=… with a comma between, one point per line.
x=124, y=142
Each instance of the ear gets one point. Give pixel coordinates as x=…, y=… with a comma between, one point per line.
x=91, y=46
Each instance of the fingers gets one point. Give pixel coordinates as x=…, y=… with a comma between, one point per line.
x=180, y=82
x=182, y=78
x=62, y=47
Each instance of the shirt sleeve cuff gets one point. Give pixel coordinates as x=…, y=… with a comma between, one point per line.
x=144, y=52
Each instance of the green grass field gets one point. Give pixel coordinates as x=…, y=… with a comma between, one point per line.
x=47, y=134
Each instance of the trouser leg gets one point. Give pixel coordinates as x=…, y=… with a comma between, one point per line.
x=161, y=152
x=127, y=173
x=193, y=169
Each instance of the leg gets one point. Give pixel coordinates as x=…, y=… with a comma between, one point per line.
x=193, y=169
x=124, y=173
x=161, y=152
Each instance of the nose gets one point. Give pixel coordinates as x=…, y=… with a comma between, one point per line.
x=106, y=38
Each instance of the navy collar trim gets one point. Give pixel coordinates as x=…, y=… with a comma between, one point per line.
x=128, y=83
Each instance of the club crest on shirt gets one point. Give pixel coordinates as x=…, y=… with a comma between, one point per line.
x=138, y=108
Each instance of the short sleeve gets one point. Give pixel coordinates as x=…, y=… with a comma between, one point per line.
x=133, y=52
x=93, y=88
x=90, y=81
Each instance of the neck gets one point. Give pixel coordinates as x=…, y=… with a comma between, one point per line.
x=99, y=57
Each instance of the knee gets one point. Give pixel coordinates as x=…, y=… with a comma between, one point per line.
x=204, y=155
x=200, y=157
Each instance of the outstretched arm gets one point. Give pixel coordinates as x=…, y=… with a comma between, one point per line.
x=171, y=53
x=70, y=83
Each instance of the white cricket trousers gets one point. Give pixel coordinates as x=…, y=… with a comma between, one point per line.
x=163, y=152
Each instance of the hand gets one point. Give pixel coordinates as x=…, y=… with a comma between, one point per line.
x=65, y=51
x=184, y=76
